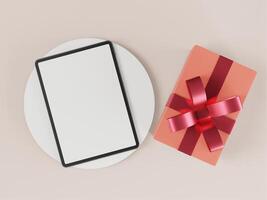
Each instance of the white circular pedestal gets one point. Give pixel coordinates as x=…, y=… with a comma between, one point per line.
x=138, y=88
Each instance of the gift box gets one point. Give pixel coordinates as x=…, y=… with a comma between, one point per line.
x=203, y=107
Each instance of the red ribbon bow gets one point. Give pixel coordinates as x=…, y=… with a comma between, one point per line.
x=202, y=114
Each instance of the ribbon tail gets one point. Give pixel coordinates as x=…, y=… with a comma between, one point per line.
x=224, y=123
x=213, y=139
x=218, y=76
x=189, y=141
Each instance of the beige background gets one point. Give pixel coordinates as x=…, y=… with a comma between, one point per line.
x=160, y=33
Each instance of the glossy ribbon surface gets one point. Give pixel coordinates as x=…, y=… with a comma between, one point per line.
x=202, y=114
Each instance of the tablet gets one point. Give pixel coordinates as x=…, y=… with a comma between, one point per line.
x=86, y=103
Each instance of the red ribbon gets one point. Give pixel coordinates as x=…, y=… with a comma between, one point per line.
x=202, y=114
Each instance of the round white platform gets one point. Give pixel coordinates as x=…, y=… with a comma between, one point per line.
x=139, y=92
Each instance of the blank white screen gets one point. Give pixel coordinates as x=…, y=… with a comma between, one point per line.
x=87, y=103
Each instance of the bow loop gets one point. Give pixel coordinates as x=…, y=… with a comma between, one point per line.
x=196, y=91
x=225, y=107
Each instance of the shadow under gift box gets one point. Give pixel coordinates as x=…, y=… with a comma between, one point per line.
x=201, y=62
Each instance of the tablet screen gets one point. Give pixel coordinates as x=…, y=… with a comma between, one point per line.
x=86, y=103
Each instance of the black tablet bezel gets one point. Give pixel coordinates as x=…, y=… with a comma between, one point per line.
x=51, y=116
